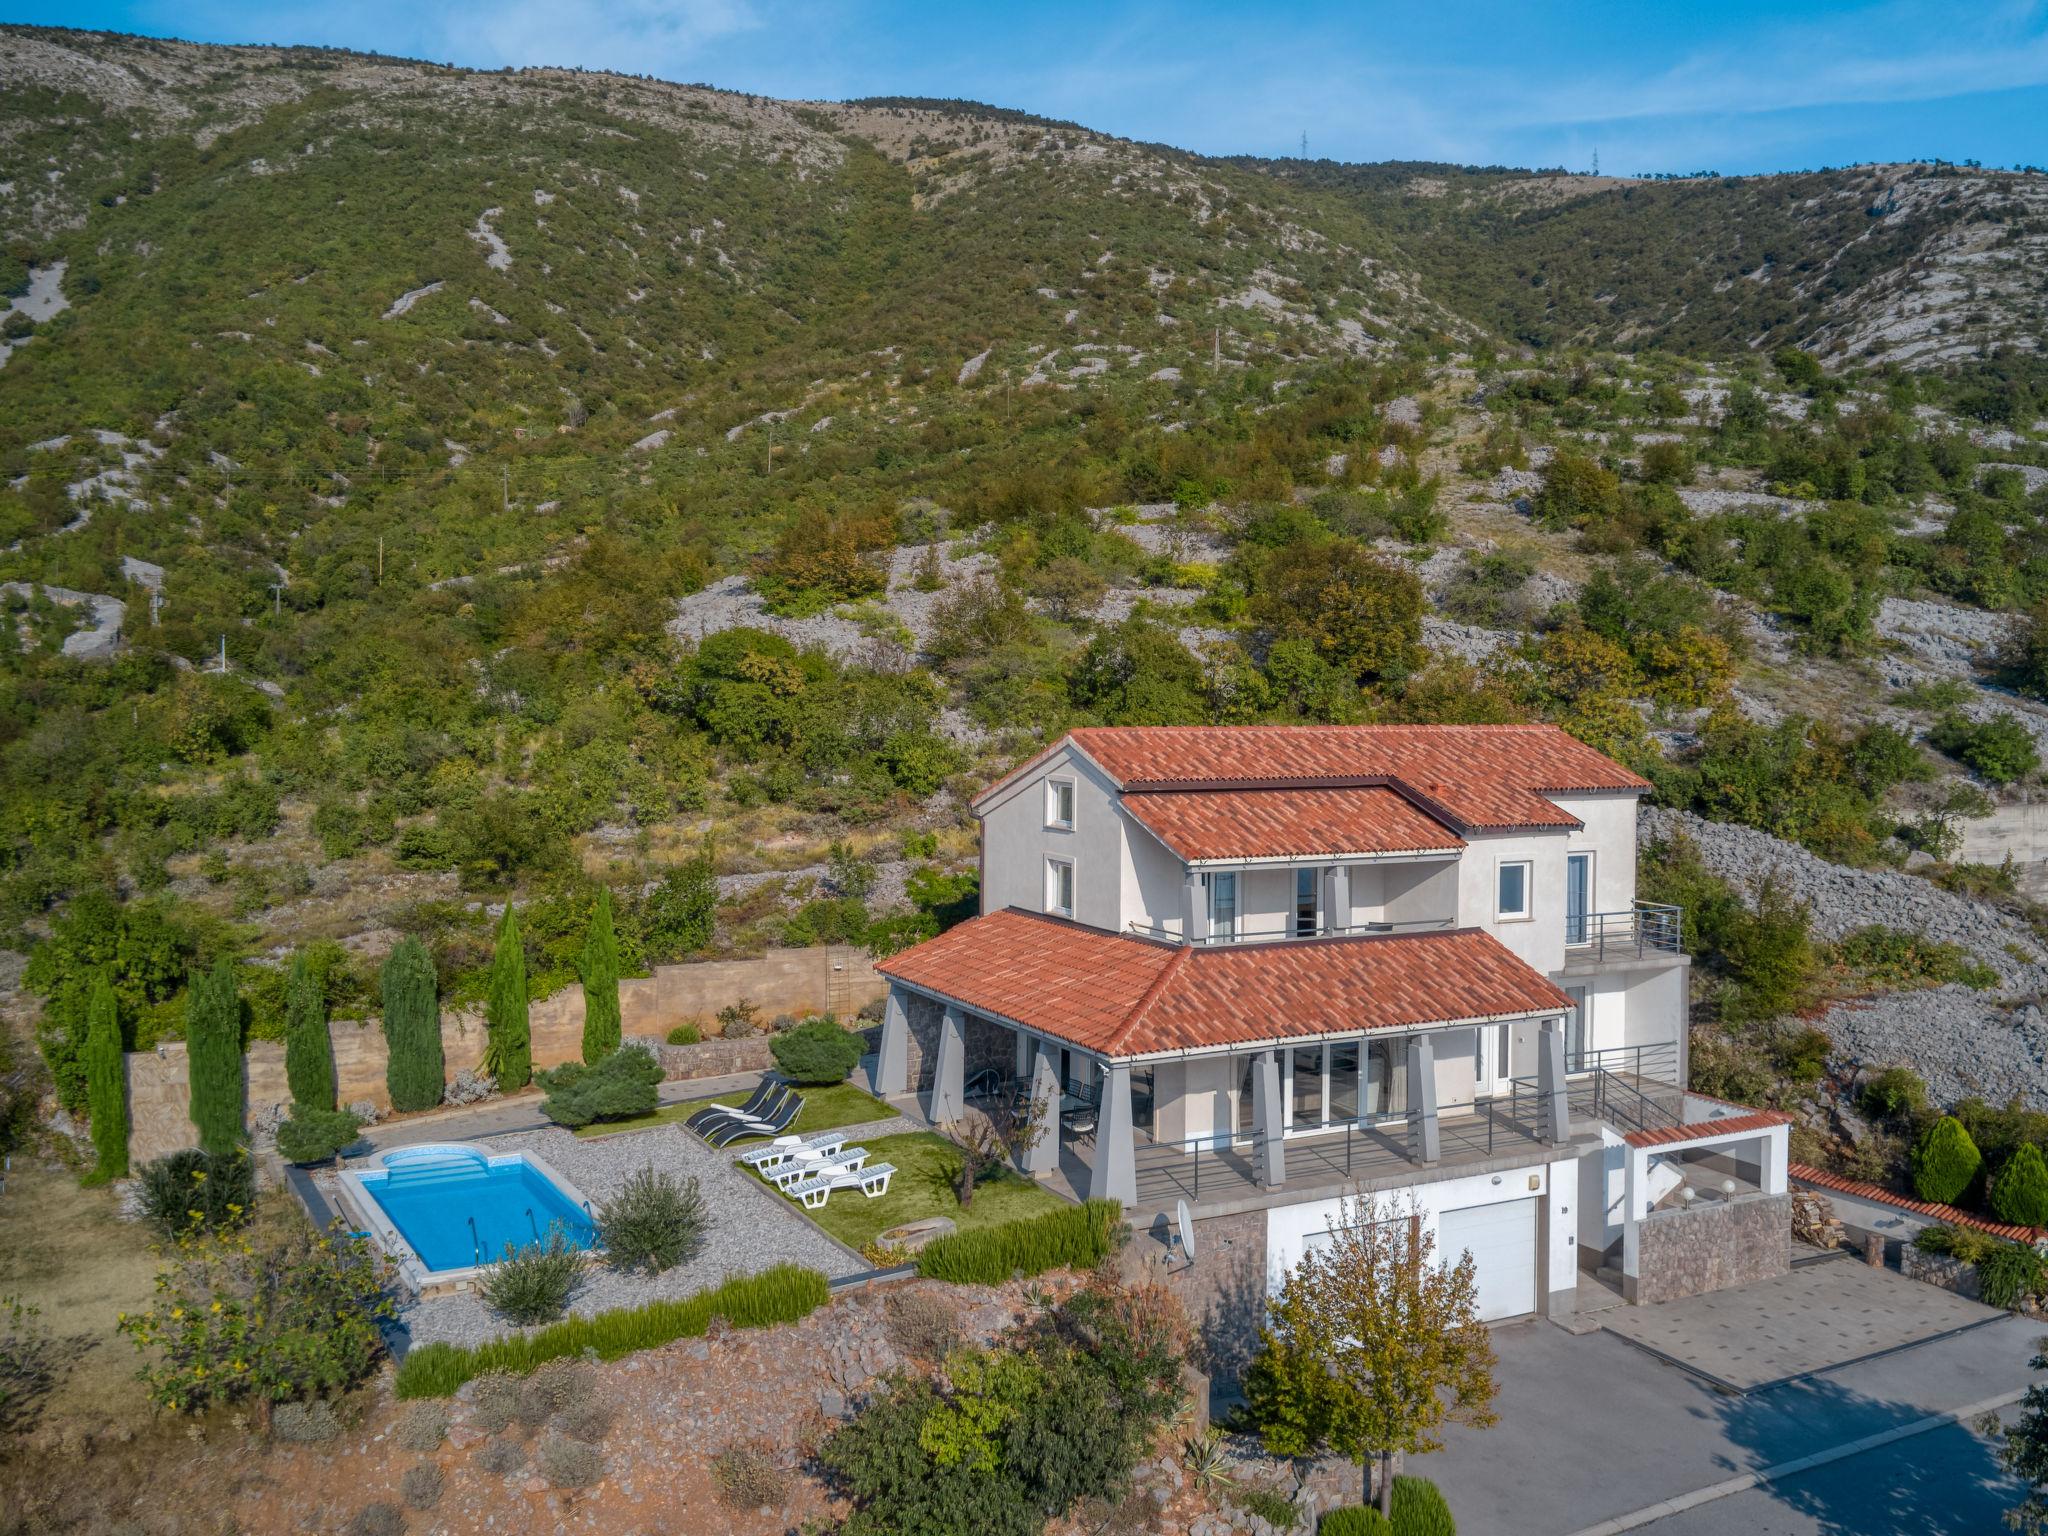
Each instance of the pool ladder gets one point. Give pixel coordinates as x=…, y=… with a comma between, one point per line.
x=532, y=1224
x=476, y=1244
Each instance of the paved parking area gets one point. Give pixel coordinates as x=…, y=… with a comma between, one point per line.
x=1592, y=1428
x=1818, y=1316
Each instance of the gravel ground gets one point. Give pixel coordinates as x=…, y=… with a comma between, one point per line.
x=1941, y=633
x=1961, y=1043
x=751, y=1228
x=1706, y=502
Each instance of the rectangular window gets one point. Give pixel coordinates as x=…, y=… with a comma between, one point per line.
x=1059, y=887
x=1502, y=1066
x=1344, y=1082
x=1223, y=905
x=1513, y=892
x=1059, y=804
x=1305, y=902
x=1308, y=1087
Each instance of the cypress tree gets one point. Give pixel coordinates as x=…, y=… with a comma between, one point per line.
x=414, y=1070
x=213, y=1053
x=106, y=1081
x=2020, y=1192
x=1945, y=1162
x=308, y=1053
x=508, y=1053
x=599, y=965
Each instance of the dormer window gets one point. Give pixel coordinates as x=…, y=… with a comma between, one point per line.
x=1059, y=887
x=1059, y=804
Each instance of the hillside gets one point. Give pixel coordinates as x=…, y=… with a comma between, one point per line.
x=425, y=489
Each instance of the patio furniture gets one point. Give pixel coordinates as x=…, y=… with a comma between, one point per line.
x=763, y=1099
x=732, y=1130
x=816, y=1190
x=783, y=1148
x=837, y=1162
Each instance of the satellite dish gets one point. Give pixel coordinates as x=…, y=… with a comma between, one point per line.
x=1184, y=1221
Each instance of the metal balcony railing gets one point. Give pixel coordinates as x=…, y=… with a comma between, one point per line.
x=1648, y=928
x=1277, y=936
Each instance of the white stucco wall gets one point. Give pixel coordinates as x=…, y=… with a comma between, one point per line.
x=1016, y=842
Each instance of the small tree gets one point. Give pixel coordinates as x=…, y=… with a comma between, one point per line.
x=1945, y=1161
x=2023, y=1448
x=213, y=1054
x=414, y=1069
x=599, y=967
x=817, y=1051
x=308, y=1053
x=1372, y=1346
x=2020, y=1192
x=508, y=1052
x=106, y=1081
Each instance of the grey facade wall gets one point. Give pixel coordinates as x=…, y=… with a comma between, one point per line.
x=1711, y=1247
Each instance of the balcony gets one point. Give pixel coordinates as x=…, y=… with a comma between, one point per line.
x=1648, y=931
x=1159, y=931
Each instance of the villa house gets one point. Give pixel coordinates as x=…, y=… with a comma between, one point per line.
x=1257, y=969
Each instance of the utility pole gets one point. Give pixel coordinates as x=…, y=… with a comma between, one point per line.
x=1216, y=349
x=156, y=602
x=276, y=598
x=1596, y=160
x=223, y=655
x=380, y=559
x=1304, y=143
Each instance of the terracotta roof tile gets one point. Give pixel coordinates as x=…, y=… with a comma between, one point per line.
x=1276, y=823
x=1698, y=1130
x=1944, y=1213
x=1126, y=996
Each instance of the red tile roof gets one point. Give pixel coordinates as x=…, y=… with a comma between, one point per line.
x=1282, y=823
x=1125, y=996
x=1822, y=1179
x=1472, y=776
x=1700, y=1130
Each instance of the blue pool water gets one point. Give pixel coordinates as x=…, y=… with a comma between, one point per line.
x=453, y=1204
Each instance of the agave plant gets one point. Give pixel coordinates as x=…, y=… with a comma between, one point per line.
x=1207, y=1461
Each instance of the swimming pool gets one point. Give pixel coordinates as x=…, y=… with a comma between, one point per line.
x=447, y=1209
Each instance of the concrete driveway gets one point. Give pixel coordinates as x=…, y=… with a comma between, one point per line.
x=1592, y=1430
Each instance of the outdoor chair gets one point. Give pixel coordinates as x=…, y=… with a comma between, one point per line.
x=772, y=1125
x=816, y=1190
x=709, y=1123
x=783, y=1148
x=758, y=1100
x=846, y=1159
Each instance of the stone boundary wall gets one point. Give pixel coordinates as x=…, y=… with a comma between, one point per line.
x=1710, y=1247
x=835, y=978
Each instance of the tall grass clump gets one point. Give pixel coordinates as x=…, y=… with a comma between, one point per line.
x=779, y=1295
x=1077, y=1237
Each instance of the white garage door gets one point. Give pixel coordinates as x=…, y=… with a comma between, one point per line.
x=1502, y=1241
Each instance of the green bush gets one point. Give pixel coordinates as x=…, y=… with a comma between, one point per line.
x=106, y=1082
x=2011, y=1273
x=779, y=1295
x=414, y=1070
x=213, y=1055
x=308, y=1052
x=533, y=1283
x=1944, y=1162
x=1269, y=1505
x=685, y=1034
x=598, y=966
x=2001, y=749
x=1896, y=1093
x=1354, y=1520
x=2020, y=1192
x=1418, y=1509
x=508, y=1045
x=1893, y=959
x=315, y=1135
x=654, y=1222
x=617, y=1088
x=193, y=1189
x=818, y=1051
x=1964, y=1243
x=1076, y=1237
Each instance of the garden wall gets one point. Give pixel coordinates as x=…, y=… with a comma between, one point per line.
x=836, y=979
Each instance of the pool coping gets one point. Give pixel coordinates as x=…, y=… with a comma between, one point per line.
x=412, y=1269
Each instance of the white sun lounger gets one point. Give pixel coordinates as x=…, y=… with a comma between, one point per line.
x=816, y=1190
x=797, y=1170
x=784, y=1148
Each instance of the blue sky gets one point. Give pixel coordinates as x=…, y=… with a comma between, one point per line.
x=1727, y=85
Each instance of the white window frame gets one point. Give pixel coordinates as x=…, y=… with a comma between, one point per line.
x=1053, y=820
x=1527, y=911
x=1054, y=867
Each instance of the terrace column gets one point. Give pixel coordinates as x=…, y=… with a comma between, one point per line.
x=949, y=1095
x=892, y=1058
x=1553, y=1105
x=1423, y=1143
x=1337, y=911
x=1042, y=1157
x=1113, y=1174
x=1268, y=1123
x=1192, y=907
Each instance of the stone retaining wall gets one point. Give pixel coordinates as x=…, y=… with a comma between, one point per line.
x=1939, y=1269
x=835, y=978
x=1710, y=1247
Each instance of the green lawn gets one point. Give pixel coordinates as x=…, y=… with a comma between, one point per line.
x=824, y=1109
x=925, y=1164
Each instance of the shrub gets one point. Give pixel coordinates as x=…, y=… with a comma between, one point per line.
x=533, y=1284
x=818, y=1051
x=588, y=1422
x=508, y=1044
x=598, y=966
x=1354, y=1520
x=502, y=1457
x=106, y=1082
x=379, y=1519
x=414, y=1069
x=567, y=1463
x=748, y=1478
x=739, y=1021
x=420, y=1486
x=2020, y=1192
x=556, y=1387
x=294, y=1316
x=308, y=1052
x=779, y=1295
x=315, y=1135
x=654, y=1222
x=1893, y=959
x=685, y=1034
x=617, y=1088
x=1076, y=1237
x=1964, y=1243
x=1896, y=1093
x=422, y=1427
x=921, y=1325
x=2001, y=748
x=1944, y=1162
x=2011, y=1273
x=496, y=1401
x=194, y=1190
x=311, y=1423
x=213, y=1055
x=1417, y=1508
x=1270, y=1505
